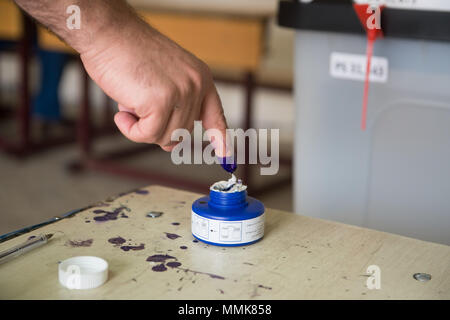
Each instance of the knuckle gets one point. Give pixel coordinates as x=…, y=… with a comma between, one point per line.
x=196, y=79
x=186, y=88
x=198, y=74
x=206, y=72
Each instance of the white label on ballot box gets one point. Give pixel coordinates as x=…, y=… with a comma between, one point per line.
x=353, y=67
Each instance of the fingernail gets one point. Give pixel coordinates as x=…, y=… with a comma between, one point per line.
x=228, y=163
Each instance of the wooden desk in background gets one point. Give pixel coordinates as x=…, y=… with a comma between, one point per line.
x=221, y=41
x=298, y=258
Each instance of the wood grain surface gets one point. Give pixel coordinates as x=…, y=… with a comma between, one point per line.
x=221, y=41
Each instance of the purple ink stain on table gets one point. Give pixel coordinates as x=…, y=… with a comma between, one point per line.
x=173, y=264
x=214, y=276
x=172, y=236
x=134, y=248
x=109, y=215
x=159, y=268
x=80, y=243
x=117, y=241
x=176, y=223
x=264, y=287
x=142, y=192
x=183, y=247
x=159, y=258
x=195, y=240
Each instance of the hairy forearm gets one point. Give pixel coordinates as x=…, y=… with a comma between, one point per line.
x=101, y=20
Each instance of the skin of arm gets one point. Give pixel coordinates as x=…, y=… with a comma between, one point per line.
x=158, y=85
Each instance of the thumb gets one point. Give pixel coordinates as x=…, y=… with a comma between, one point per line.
x=127, y=122
x=213, y=118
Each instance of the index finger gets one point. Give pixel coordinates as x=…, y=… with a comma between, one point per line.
x=213, y=117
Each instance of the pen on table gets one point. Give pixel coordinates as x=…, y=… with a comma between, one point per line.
x=24, y=247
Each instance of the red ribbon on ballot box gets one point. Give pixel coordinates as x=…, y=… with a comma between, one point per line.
x=370, y=17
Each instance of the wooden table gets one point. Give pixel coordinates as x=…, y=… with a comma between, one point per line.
x=299, y=257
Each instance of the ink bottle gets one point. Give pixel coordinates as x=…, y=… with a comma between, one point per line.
x=228, y=216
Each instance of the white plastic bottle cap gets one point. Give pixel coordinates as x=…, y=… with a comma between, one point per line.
x=83, y=272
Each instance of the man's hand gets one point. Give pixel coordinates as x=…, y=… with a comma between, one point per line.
x=158, y=85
